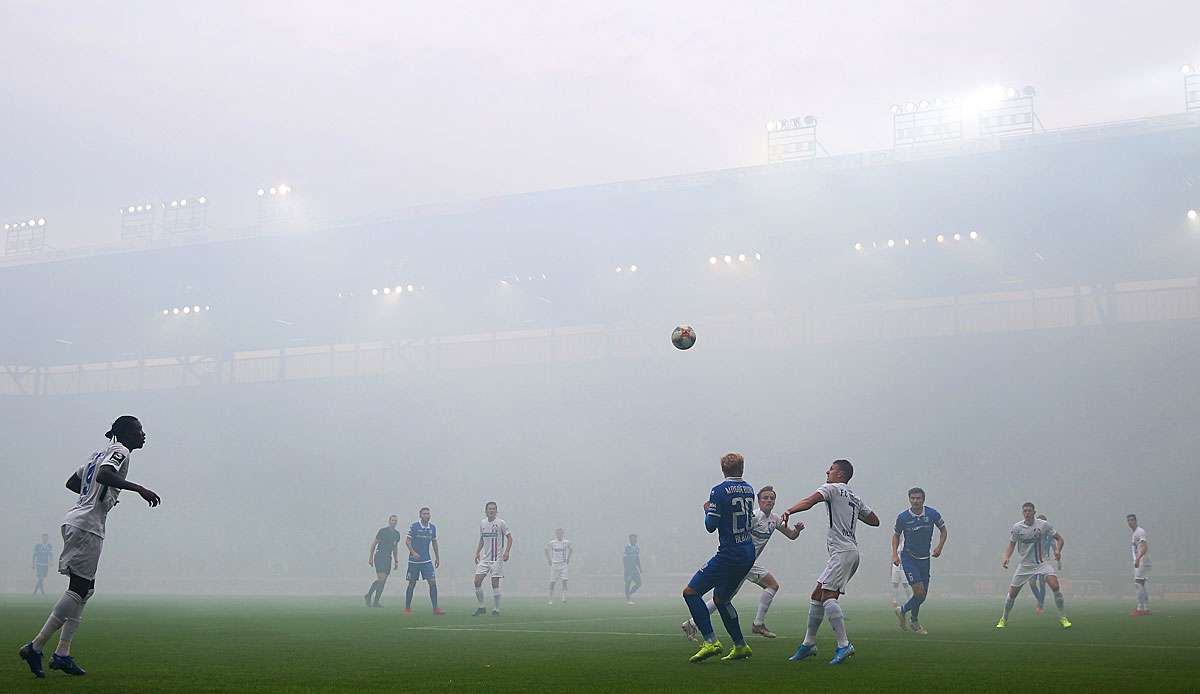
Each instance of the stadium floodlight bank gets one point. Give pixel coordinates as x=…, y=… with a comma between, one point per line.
x=924, y=122
x=791, y=139
x=28, y=237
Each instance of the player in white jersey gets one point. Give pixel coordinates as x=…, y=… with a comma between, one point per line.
x=495, y=543
x=1140, y=548
x=762, y=527
x=901, y=591
x=845, y=510
x=97, y=482
x=558, y=555
x=1028, y=538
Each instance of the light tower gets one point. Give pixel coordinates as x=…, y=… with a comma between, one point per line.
x=792, y=138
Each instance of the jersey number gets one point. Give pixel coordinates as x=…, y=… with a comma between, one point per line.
x=743, y=509
x=86, y=483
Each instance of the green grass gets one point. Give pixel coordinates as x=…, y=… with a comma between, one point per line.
x=599, y=645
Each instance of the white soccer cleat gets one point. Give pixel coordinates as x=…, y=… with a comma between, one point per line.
x=689, y=630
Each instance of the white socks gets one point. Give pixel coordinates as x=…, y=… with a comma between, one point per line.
x=65, y=615
x=764, y=604
x=1008, y=605
x=479, y=595
x=816, y=615
x=837, y=622
x=1143, y=596
x=496, y=599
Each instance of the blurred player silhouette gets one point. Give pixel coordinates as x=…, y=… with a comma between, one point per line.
x=558, y=553
x=383, y=557
x=41, y=562
x=495, y=545
x=1140, y=547
x=1027, y=537
x=631, y=559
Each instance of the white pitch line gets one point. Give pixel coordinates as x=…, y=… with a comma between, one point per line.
x=541, y=631
x=580, y=620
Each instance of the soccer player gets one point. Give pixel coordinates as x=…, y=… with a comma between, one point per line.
x=384, y=558
x=915, y=525
x=632, y=559
x=421, y=536
x=1027, y=537
x=1141, y=566
x=1038, y=585
x=845, y=510
x=901, y=591
x=41, y=562
x=495, y=544
x=98, y=483
x=558, y=555
x=764, y=526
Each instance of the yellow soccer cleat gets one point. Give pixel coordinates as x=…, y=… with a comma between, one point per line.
x=707, y=650
x=738, y=653
x=1066, y=623
x=1002, y=623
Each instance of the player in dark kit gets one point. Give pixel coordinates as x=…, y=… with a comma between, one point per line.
x=41, y=562
x=729, y=510
x=383, y=557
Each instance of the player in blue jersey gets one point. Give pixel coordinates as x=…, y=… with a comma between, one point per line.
x=1038, y=585
x=632, y=559
x=729, y=511
x=915, y=526
x=41, y=562
x=422, y=535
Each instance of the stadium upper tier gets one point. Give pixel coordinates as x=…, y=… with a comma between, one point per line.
x=1087, y=207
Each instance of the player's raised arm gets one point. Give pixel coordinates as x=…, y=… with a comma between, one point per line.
x=74, y=483
x=108, y=477
x=804, y=504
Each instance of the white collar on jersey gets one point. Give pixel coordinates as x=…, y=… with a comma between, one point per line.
x=735, y=479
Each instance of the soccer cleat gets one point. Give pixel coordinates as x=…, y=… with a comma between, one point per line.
x=1040, y=610
x=630, y=602
x=438, y=610
x=689, y=630
x=738, y=653
x=1066, y=623
x=803, y=652
x=762, y=630
x=707, y=650
x=918, y=629
x=377, y=604
x=408, y=610
x=496, y=612
x=479, y=611
x=33, y=658
x=1002, y=623
x=367, y=599
x=551, y=603
x=67, y=664
x=903, y=619
x=842, y=653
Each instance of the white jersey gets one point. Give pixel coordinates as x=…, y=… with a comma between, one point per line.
x=762, y=527
x=1030, y=541
x=845, y=508
x=1139, y=538
x=494, y=534
x=559, y=550
x=96, y=500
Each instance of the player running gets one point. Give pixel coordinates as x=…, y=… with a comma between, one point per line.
x=729, y=510
x=764, y=526
x=915, y=525
x=383, y=556
x=558, y=555
x=41, y=562
x=495, y=544
x=1027, y=538
x=98, y=483
x=1141, y=565
x=421, y=536
x=845, y=510
x=1038, y=585
x=632, y=560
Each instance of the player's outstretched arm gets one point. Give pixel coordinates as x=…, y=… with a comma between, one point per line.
x=803, y=505
x=792, y=532
x=109, y=478
x=74, y=483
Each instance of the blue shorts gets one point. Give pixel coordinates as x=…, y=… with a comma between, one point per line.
x=915, y=570
x=722, y=575
x=419, y=570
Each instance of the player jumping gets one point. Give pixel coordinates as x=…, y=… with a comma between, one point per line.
x=1141, y=566
x=558, y=555
x=1027, y=538
x=730, y=510
x=916, y=526
x=495, y=544
x=845, y=510
x=384, y=558
x=98, y=483
x=764, y=526
x=421, y=536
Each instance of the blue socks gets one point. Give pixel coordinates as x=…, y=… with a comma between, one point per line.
x=408, y=596
x=913, y=606
x=699, y=612
x=729, y=617
x=433, y=594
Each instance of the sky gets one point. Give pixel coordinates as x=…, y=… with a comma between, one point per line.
x=367, y=108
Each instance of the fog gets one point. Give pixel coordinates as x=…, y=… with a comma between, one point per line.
x=1050, y=358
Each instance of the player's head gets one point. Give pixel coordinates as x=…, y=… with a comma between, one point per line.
x=424, y=513
x=558, y=533
x=1131, y=519
x=490, y=509
x=766, y=499
x=839, y=471
x=633, y=539
x=733, y=464
x=128, y=430
x=916, y=497
x=1028, y=510
x=393, y=520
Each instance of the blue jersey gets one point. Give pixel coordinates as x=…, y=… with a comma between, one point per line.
x=918, y=531
x=632, y=553
x=731, y=513
x=41, y=554
x=421, y=536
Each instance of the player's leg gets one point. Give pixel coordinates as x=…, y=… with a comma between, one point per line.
x=845, y=566
x=1038, y=587
x=1143, y=596
x=770, y=587
x=550, y=600
x=1059, y=601
x=381, y=579
x=481, y=572
x=702, y=582
x=433, y=595
x=496, y=576
x=408, y=594
x=731, y=579
x=1010, y=599
x=564, y=590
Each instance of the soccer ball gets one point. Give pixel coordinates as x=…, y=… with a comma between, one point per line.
x=683, y=337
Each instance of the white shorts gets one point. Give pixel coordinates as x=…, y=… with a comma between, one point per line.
x=840, y=569
x=495, y=569
x=1141, y=573
x=558, y=572
x=80, y=553
x=898, y=577
x=1025, y=574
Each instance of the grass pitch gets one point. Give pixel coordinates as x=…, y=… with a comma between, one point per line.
x=598, y=645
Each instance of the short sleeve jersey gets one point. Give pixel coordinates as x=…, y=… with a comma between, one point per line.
x=494, y=533
x=731, y=504
x=387, y=537
x=421, y=536
x=1139, y=538
x=632, y=553
x=917, y=531
x=559, y=550
x=1030, y=541
x=761, y=531
x=845, y=508
x=96, y=500
x=42, y=553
